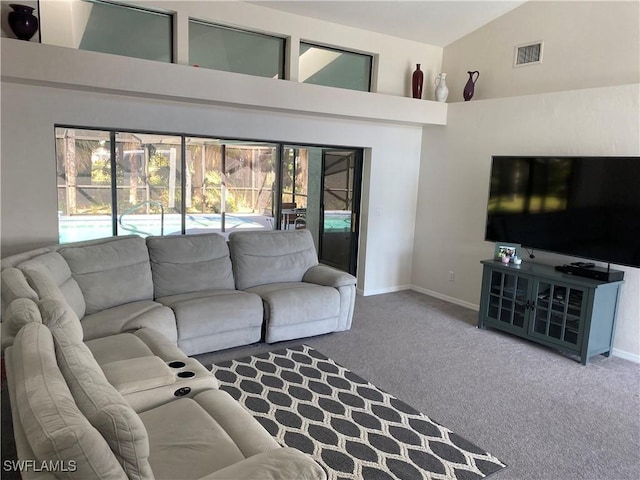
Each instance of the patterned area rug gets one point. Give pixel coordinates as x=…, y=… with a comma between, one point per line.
x=353, y=429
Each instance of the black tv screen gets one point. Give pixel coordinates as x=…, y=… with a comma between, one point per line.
x=586, y=207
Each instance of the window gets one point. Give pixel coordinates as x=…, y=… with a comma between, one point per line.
x=334, y=68
x=84, y=180
x=229, y=185
x=295, y=176
x=124, y=30
x=122, y=183
x=149, y=184
x=231, y=50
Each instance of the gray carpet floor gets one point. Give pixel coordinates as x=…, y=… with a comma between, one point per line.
x=543, y=414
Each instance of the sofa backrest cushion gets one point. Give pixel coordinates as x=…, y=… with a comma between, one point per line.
x=259, y=258
x=49, y=275
x=53, y=426
x=18, y=258
x=189, y=263
x=111, y=271
x=104, y=407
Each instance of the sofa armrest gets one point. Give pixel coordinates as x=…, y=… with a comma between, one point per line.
x=159, y=344
x=15, y=285
x=281, y=464
x=138, y=374
x=328, y=276
x=20, y=312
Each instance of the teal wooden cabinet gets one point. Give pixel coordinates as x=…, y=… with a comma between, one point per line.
x=572, y=314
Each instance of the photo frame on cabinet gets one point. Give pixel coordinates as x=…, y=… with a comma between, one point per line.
x=504, y=249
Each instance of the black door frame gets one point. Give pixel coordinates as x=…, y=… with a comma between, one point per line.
x=355, y=206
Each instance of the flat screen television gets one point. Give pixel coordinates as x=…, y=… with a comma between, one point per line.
x=587, y=207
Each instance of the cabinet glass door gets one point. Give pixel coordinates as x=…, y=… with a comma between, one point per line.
x=557, y=313
x=507, y=299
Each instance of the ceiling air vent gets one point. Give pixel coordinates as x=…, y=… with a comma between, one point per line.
x=528, y=54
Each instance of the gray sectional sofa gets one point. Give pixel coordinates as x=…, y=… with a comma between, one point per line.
x=196, y=290
x=96, y=337
x=74, y=418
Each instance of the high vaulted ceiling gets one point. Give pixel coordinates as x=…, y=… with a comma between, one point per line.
x=437, y=23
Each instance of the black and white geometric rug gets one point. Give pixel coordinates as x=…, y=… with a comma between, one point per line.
x=351, y=428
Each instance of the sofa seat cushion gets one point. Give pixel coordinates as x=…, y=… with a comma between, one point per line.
x=298, y=309
x=282, y=464
x=141, y=343
x=52, y=423
x=212, y=320
x=213, y=311
x=191, y=438
x=298, y=302
x=131, y=316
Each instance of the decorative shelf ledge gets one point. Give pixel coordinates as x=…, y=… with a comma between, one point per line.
x=62, y=67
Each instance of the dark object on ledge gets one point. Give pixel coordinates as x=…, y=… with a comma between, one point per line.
x=416, y=82
x=469, y=88
x=22, y=21
x=597, y=273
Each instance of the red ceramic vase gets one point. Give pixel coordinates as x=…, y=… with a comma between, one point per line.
x=416, y=82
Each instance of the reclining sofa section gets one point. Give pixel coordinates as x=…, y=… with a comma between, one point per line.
x=67, y=412
x=196, y=291
x=192, y=275
x=301, y=298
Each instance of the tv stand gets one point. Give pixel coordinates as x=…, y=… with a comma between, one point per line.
x=573, y=314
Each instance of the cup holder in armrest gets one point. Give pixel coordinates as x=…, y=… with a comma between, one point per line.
x=181, y=392
x=177, y=364
x=186, y=374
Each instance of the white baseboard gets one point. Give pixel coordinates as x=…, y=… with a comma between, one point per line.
x=632, y=357
x=447, y=298
x=383, y=290
x=616, y=352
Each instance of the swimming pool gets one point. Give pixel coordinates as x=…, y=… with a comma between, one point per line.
x=87, y=227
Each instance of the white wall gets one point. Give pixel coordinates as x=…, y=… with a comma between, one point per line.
x=586, y=44
x=29, y=201
x=395, y=58
x=454, y=181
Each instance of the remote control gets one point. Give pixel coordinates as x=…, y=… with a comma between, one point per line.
x=583, y=264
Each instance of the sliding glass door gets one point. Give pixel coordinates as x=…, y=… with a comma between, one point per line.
x=340, y=210
x=320, y=191
x=145, y=183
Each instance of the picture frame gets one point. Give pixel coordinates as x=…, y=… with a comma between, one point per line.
x=506, y=249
